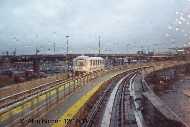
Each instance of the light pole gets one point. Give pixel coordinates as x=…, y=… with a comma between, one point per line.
x=67, y=45
x=14, y=52
x=54, y=47
x=99, y=45
x=37, y=51
x=54, y=44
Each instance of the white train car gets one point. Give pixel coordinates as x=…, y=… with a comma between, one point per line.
x=86, y=64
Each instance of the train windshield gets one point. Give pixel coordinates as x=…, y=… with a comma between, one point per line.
x=80, y=62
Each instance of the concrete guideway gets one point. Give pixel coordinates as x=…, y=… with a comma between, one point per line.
x=18, y=108
x=75, y=108
x=136, y=90
x=140, y=90
x=164, y=109
x=118, y=112
x=108, y=111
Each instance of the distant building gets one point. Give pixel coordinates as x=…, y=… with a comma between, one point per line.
x=184, y=50
x=140, y=53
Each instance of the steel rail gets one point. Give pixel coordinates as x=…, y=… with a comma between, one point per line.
x=57, y=86
x=111, y=103
x=9, y=100
x=122, y=105
x=40, y=93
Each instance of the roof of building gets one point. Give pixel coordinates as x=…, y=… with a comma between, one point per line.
x=89, y=58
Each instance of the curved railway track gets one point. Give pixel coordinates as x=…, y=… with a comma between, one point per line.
x=97, y=109
x=9, y=100
x=122, y=111
x=12, y=99
x=113, y=107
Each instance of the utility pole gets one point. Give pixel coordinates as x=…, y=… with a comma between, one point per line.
x=14, y=52
x=36, y=62
x=54, y=44
x=37, y=51
x=67, y=43
x=54, y=47
x=127, y=48
x=67, y=59
x=99, y=45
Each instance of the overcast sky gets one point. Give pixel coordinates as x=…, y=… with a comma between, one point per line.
x=124, y=25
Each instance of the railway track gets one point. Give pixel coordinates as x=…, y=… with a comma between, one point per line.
x=124, y=105
x=9, y=100
x=12, y=99
x=113, y=108
x=29, y=103
x=93, y=116
x=122, y=111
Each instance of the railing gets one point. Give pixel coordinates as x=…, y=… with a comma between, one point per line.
x=43, y=97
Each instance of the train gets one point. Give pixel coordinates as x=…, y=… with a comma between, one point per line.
x=86, y=64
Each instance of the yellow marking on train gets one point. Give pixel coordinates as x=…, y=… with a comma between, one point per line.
x=73, y=110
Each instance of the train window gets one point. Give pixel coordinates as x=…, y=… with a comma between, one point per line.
x=80, y=63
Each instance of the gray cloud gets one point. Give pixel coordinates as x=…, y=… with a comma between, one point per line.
x=38, y=23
